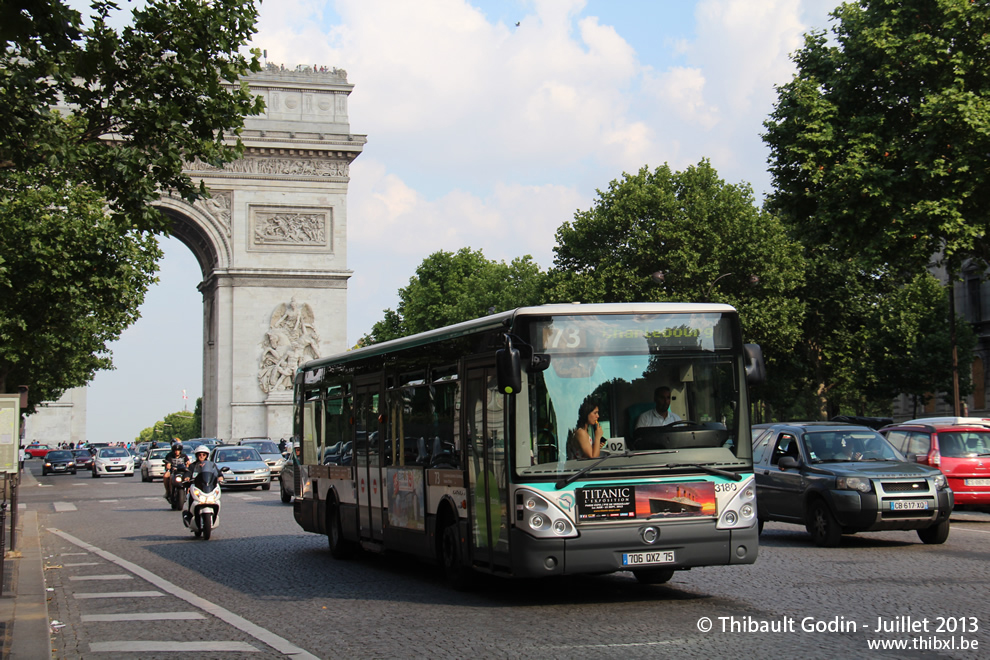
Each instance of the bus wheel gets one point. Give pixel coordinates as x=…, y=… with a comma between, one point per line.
x=340, y=548
x=653, y=575
x=459, y=576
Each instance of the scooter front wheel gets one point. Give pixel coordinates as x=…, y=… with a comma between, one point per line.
x=206, y=524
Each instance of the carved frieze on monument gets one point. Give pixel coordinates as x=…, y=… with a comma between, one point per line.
x=279, y=162
x=294, y=228
x=290, y=341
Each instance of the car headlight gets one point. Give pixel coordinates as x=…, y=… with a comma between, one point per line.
x=940, y=482
x=261, y=471
x=853, y=483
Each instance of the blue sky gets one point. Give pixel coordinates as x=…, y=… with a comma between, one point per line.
x=488, y=135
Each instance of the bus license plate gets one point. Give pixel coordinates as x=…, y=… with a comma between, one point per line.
x=977, y=482
x=647, y=558
x=907, y=505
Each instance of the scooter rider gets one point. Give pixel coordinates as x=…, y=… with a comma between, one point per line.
x=201, y=463
x=177, y=460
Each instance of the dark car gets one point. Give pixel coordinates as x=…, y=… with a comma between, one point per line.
x=840, y=479
x=958, y=446
x=84, y=460
x=58, y=461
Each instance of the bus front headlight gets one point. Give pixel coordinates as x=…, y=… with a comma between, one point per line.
x=740, y=511
x=538, y=516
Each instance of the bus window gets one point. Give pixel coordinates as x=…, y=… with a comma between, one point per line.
x=311, y=427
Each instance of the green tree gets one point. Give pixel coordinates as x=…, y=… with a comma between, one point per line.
x=878, y=149
x=97, y=122
x=879, y=144
x=452, y=287
x=183, y=425
x=708, y=239
x=911, y=343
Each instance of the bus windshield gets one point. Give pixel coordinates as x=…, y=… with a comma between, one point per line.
x=668, y=390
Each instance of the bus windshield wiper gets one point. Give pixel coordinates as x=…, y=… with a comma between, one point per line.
x=735, y=476
x=588, y=468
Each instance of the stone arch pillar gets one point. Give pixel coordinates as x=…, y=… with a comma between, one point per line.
x=273, y=234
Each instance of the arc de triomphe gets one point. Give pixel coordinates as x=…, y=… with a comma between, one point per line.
x=272, y=245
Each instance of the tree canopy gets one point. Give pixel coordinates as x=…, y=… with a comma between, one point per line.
x=707, y=238
x=97, y=123
x=452, y=287
x=879, y=143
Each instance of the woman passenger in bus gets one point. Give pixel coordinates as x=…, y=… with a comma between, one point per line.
x=586, y=439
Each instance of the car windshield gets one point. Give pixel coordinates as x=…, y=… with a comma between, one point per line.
x=265, y=447
x=158, y=453
x=114, y=452
x=59, y=455
x=237, y=455
x=81, y=453
x=848, y=445
x=963, y=444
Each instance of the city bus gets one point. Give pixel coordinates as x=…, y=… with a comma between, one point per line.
x=457, y=444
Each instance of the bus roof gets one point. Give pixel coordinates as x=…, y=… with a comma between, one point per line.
x=505, y=318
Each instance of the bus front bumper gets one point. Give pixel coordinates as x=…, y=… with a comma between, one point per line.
x=601, y=549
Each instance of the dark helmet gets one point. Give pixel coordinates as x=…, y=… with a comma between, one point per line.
x=177, y=445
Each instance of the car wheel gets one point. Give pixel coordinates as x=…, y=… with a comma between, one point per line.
x=823, y=526
x=286, y=498
x=145, y=478
x=759, y=527
x=653, y=575
x=44, y=472
x=267, y=486
x=73, y=472
x=95, y=475
x=935, y=534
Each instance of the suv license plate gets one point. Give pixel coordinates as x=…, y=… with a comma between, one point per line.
x=906, y=505
x=647, y=558
x=977, y=482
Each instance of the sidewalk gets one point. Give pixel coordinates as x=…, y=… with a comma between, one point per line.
x=24, y=604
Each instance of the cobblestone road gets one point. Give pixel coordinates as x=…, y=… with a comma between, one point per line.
x=128, y=580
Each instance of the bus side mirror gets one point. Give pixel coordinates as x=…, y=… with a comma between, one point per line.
x=756, y=370
x=508, y=369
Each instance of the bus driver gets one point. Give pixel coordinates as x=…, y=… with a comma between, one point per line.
x=661, y=415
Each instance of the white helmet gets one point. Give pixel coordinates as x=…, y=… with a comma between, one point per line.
x=202, y=450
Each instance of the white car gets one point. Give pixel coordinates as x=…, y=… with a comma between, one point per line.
x=153, y=466
x=113, y=460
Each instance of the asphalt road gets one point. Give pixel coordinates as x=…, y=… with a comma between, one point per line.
x=262, y=588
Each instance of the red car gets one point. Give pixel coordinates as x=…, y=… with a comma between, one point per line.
x=37, y=451
x=958, y=446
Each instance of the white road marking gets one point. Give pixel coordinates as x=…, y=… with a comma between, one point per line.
x=278, y=643
x=968, y=529
x=120, y=594
x=108, y=501
x=72, y=554
x=185, y=647
x=83, y=578
x=142, y=616
x=62, y=507
x=82, y=563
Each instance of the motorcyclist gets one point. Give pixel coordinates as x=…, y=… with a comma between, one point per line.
x=177, y=460
x=203, y=464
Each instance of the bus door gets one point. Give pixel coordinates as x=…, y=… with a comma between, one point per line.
x=485, y=420
x=368, y=454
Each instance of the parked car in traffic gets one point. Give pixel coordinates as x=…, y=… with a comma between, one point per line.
x=37, y=450
x=112, y=461
x=246, y=466
x=58, y=461
x=269, y=454
x=153, y=465
x=84, y=460
x=840, y=479
x=958, y=446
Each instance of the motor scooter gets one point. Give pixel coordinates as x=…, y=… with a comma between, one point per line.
x=202, y=512
x=177, y=492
